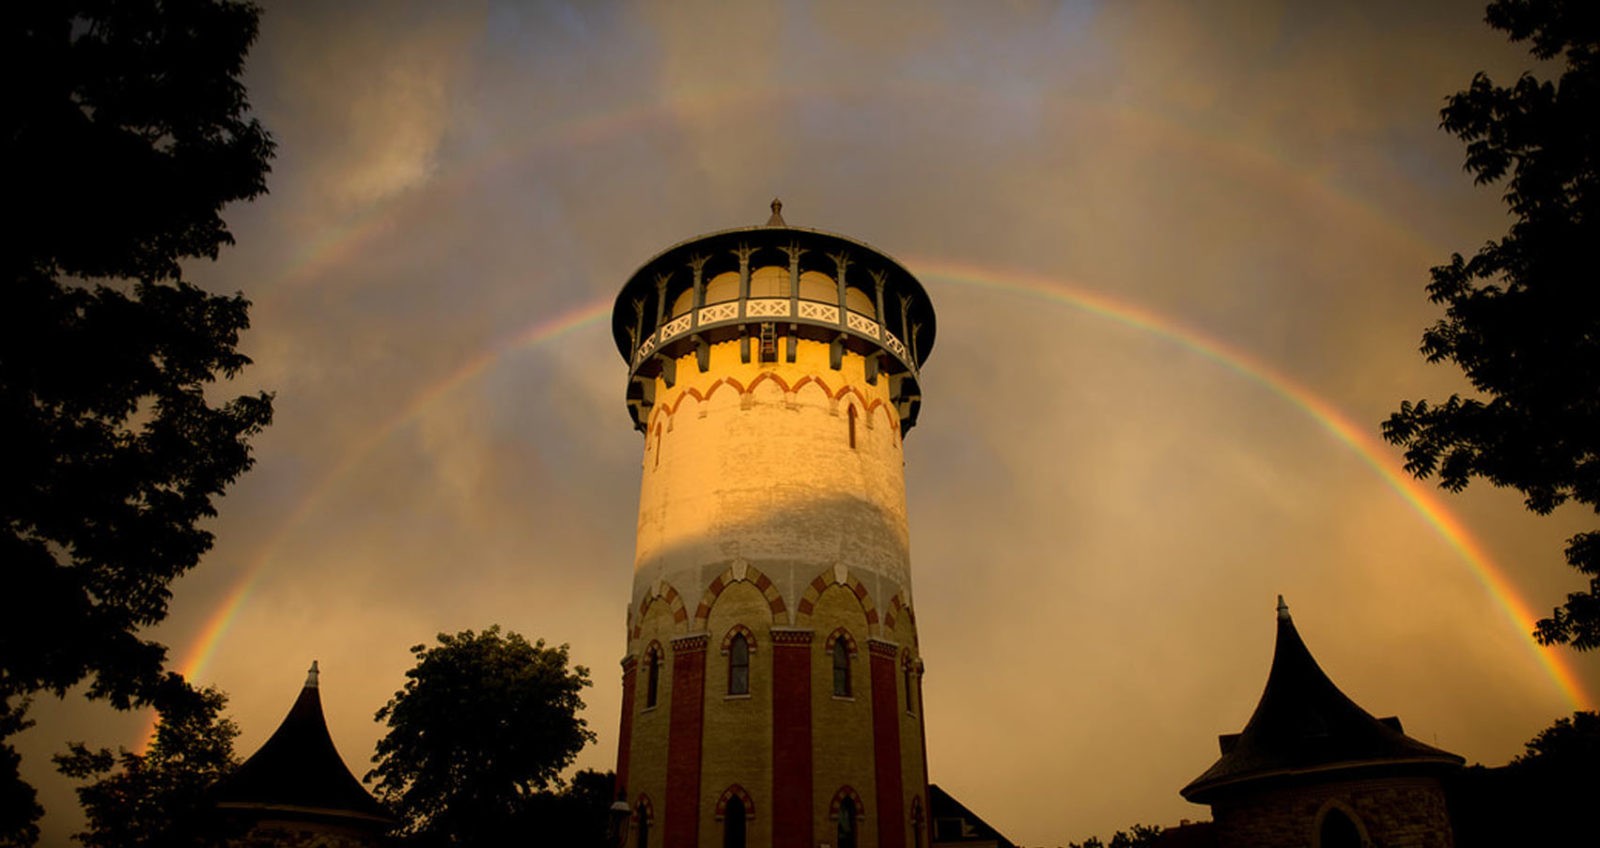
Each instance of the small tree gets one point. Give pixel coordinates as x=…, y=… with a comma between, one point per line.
x=158, y=799
x=1522, y=317
x=485, y=722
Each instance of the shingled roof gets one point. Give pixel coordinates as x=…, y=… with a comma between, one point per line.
x=1304, y=727
x=298, y=772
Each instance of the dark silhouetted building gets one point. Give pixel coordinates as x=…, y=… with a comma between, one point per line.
x=1311, y=768
x=296, y=792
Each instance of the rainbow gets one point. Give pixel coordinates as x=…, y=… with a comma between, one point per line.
x=344, y=241
x=1371, y=451
x=1360, y=439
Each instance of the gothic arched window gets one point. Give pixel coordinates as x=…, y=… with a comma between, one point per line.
x=652, y=684
x=847, y=824
x=733, y=824
x=1338, y=831
x=841, y=668
x=739, y=666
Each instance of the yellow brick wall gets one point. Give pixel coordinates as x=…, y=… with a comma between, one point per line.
x=647, y=761
x=841, y=728
x=738, y=728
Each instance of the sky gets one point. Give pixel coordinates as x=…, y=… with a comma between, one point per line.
x=1178, y=254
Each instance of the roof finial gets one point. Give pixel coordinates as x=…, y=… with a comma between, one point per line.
x=311, y=676
x=1283, y=609
x=777, y=214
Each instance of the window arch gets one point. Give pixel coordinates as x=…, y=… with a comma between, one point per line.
x=847, y=812
x=735, y=809
x=739, y=665
x=908, y=674
x=841, y=669
x=1338, y=829
x=769, y=281
x=652, y=674
x=841, y=646
x=733, y=825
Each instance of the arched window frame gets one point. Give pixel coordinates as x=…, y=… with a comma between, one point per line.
x=851, y=415
x=735, y=809
x=1334, y=806
x=908, y=674
x=729, y=641
x=652, y=675
x=847, y=812
x=842, y=660
x=918, y=823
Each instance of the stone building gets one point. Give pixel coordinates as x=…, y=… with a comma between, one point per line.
x=1311, y=768
x=296, y=792
x=772, y=682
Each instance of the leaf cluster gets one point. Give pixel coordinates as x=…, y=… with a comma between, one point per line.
x=1522, y=316
x=1138, y=836
x=484, y=723
x=158, y=798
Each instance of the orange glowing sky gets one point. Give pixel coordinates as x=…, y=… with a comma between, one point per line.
x=1178, y=259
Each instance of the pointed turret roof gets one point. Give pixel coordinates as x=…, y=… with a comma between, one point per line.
x=298, y=771
x=1305, y=726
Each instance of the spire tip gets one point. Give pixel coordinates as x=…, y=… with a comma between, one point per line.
x=1283, y=609
x=311, y=676
x=777, y=214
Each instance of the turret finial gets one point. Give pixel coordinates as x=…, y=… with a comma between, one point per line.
x=1283, y=609
x=311, y=676
x=777, y=214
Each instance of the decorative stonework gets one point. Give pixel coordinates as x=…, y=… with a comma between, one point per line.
x=719, y=312
x=736, y=791
x=747, y=573
x=861, y=324
x=664, y=593
x=820, y=584
x=819, y=311
x=667, y=408
x=894, y=345
x=767, y=307
x=675, y=327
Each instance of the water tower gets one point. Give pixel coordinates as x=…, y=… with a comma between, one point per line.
x=772, y=684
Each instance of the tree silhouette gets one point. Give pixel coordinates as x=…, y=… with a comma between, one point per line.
x=485, y=722
x=128, y=136
x=1522, y=316
x=158, y=799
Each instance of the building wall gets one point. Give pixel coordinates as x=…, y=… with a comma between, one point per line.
x=1403, y=812
x=758, y=515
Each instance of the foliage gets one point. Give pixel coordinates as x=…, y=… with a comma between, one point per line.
x=1139, y=836
x=484, y=722
x=130, y=134
x=1542, y=797
x=158, y=798
x=1569, y=742
x=1522, y=316
x=575, y=817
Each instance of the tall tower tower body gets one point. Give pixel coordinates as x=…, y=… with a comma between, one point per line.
x=772, y=685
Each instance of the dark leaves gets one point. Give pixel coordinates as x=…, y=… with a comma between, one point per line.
x=485, y=722
x=1522, y=316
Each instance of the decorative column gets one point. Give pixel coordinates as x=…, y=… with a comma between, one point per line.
x=682, y=815
x=630, y=667
x=886, y=744
x=791, y=738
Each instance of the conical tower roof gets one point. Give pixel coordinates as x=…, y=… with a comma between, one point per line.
x=299, y=772
x=1304, y=726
